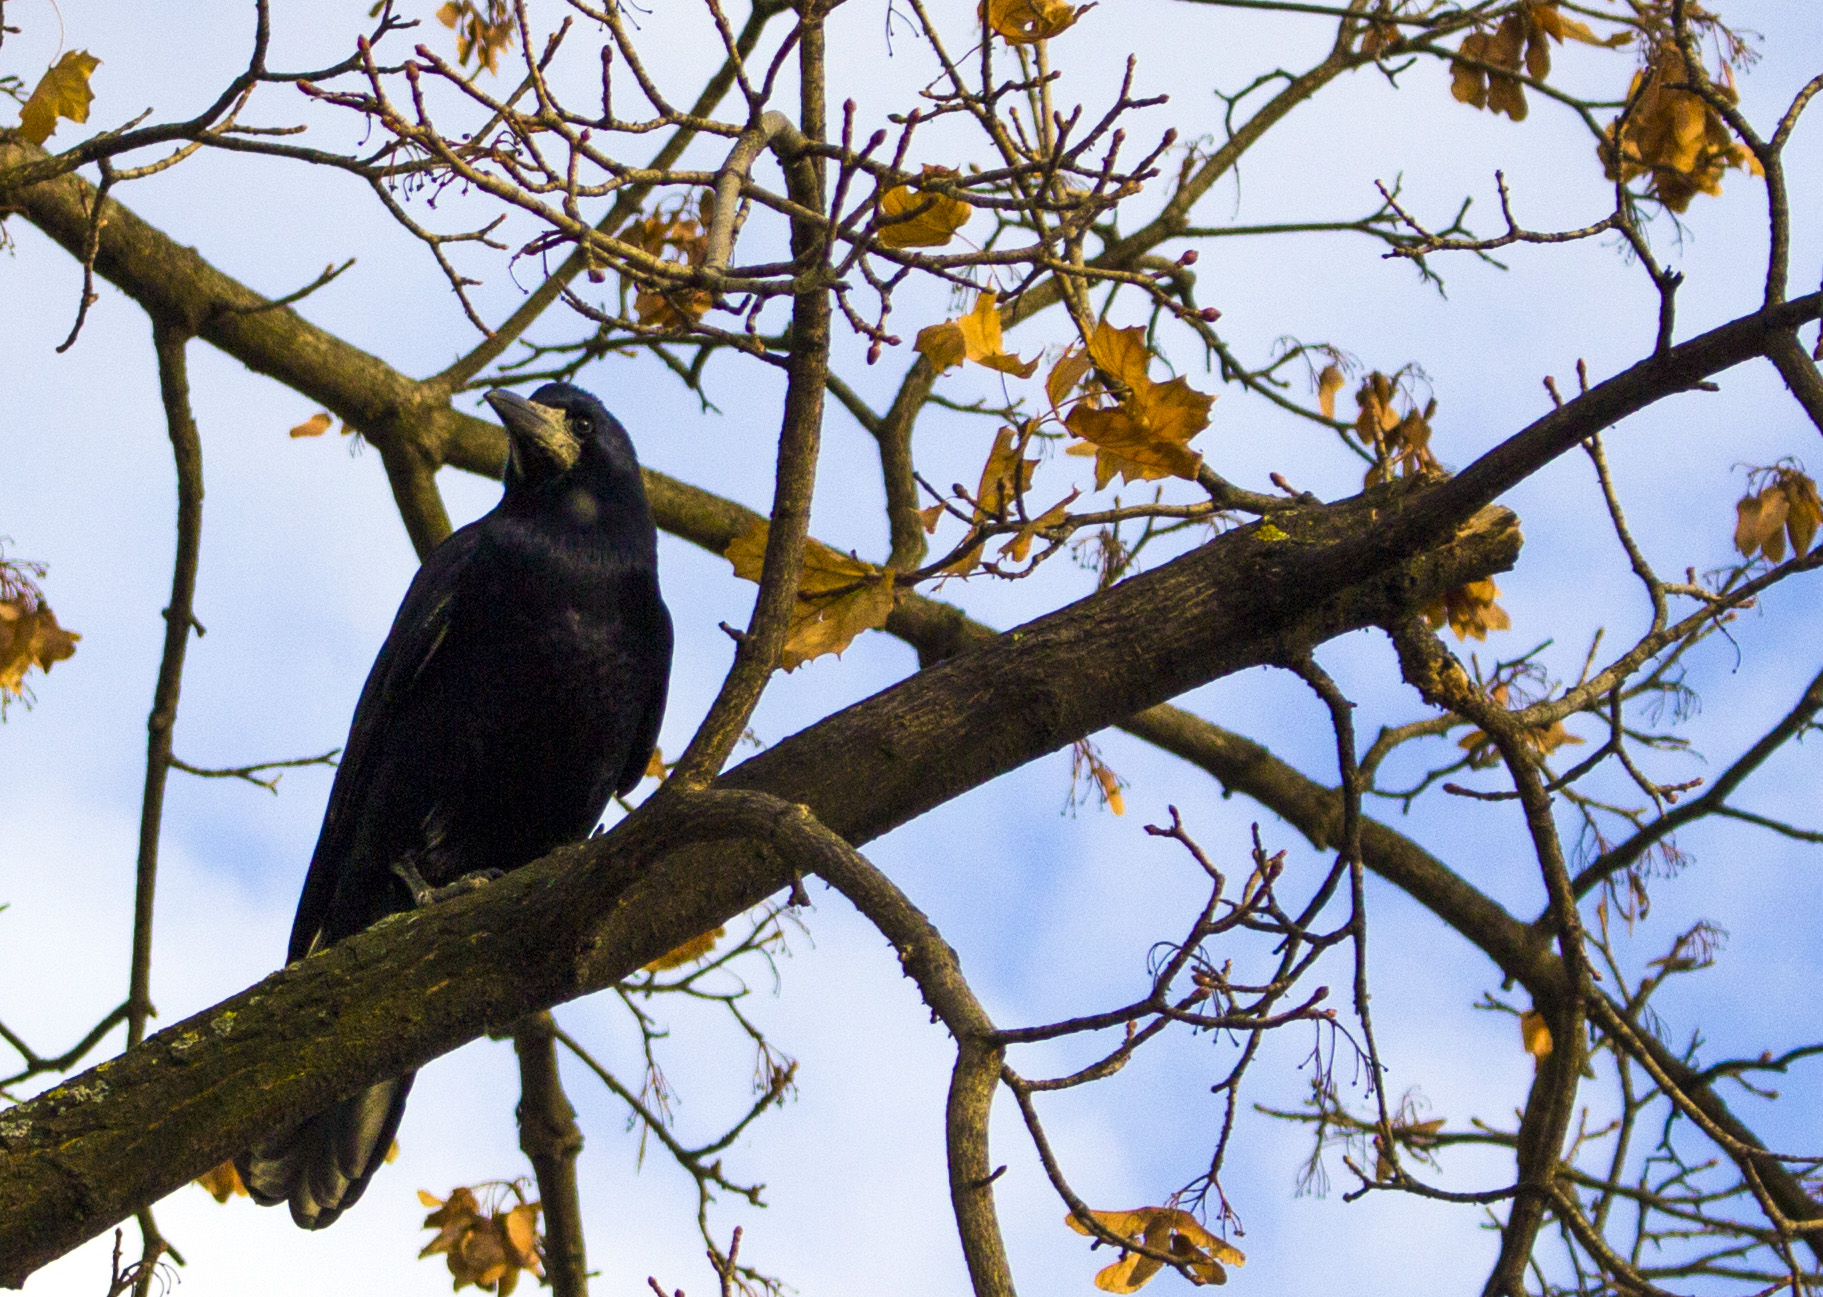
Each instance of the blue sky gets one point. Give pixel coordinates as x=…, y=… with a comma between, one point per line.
x=304, y=561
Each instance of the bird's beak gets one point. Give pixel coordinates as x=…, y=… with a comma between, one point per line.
x=539, y=431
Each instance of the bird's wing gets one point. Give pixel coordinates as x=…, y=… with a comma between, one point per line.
x=417, y=632
x=657, y=677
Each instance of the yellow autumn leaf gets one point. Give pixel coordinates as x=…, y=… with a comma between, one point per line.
x=839, y=596
x=1786, y=508
x=29, y=637
x=1758, y=518
x=975, y=336
x=1329, y=382
x=1551, y=21
x=1469, y=610
x=1535, y=1035
x=488, y=1251
x=1401, y=442
x=1086, y=763
x=315, y=426
x=1146, y=436
x=1165, y=1229
x=1025, y=22
x=480, y=36
x=1070, y=369
x=1803, y=510
x=223, y=1182
x=688, y=953
x=1672, y=136
x=1021, y=543
x=655, y=766
x=920, y=219
x=63, y=92
x=1468, y=82
x=1004, y=479
x=1121, y=353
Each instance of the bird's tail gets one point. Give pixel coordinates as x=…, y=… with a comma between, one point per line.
x=322, y=1165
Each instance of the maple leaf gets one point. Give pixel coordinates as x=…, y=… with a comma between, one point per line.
x=29, y=637
x=688, y=953
x=63, y=92
x=222, y=1182
x=1026, y=22
x=487, y=1250
x=1146, y=435
x=1004, y=479
x=839, y=596
x=1021, y=543
x=975, y=336
x=1165, y=1229
x=920, y=219
x=1070, y=369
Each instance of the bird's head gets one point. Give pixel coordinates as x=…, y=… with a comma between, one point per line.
x=562, y=431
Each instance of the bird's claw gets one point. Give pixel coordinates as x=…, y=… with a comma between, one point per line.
x=423, y=894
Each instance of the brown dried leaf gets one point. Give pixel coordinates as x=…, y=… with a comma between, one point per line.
x=839, y=596
x=688, y=953
x=1147, y=435
x=1672, y=136
x=1535, y=1034
x=29, y=637
x=1021, y=543
x=1166, y=1229
x=1329, y=382
x=64, y=92
x=920, y=219
x=1468, y=83
x=315, y=426
x=1004, y=479
x=223, y=1182
x=481, y=37
x=975, y=336
x=487, y=1251
x=1025, y=22
x=1803, y=511
x=1760, y=523
x=1470, y=611
x=680, y=240
x=1070, y=369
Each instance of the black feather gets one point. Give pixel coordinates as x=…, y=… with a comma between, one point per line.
x=521, y=686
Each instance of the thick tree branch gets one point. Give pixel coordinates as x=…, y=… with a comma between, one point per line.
x=551, y=1140
x=84, y=1155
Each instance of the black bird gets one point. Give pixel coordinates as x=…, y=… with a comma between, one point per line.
x=520, y=688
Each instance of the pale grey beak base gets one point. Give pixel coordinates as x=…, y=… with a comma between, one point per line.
x=538, y=430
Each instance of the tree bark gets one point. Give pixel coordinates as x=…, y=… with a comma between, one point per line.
x=88, y=1153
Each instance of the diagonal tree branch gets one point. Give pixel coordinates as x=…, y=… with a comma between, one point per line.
x=93, y=1150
